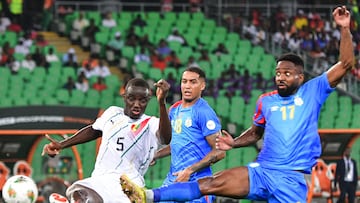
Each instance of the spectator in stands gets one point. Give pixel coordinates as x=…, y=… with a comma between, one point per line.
x=132, y=41
x=163, y=48
x=47, y=14
x=69, y=55
x=260, y=36
x=86, y=70
x=116, y=44
x=40, y=58
x=27, y=40
x=71, y=62
x=92, y=61
x=70, y=84
x=175, y=36
x=318, y=54
x=15, y=26
x=13, y=65
x=211, y=89
x=279, y=20
x=356, y=70
x=6, y=52
x=173, y=60
x=28, y=63
x=194, y=6
x=131, y=34
x=142, y=56
x=204, y=55
x=191, y=62
x=78, y=25
x=4, y=22
x=279, y=38
x=166, y=6
x=307, y=44
x=145, y=42
x=20, y=48
x=108, y=21
x=174, y=87
x=99, y=85
x=102, y=69
x=89, y=33
x=220, y=49
x=260, y=82
x=249, y=31
x=51, y=56
x=138, y=21
x=294, y=43
x=246, y=86
x=332, y=49
x=82, y=83
x=40, y=40
x=300, y=20
x=159, y=62
x=231, y=73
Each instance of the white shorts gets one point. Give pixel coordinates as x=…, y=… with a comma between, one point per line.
x=108, y=187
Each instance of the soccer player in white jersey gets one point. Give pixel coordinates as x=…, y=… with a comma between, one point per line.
x=129, y=140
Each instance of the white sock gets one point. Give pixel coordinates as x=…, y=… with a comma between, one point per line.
x=149, y=196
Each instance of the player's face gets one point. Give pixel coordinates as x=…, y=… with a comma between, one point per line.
x=288, y=78
x=136, y=100
x=191, y=86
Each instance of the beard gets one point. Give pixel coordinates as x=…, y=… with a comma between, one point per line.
x=289, y=90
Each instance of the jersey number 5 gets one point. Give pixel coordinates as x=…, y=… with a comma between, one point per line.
x=120, y=143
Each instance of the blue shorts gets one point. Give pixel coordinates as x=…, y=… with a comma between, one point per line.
x=276, y=186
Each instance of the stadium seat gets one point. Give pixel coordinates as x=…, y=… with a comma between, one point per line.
x=198, y=16
x=184, y=16
x=62, y=95
x=155, y=74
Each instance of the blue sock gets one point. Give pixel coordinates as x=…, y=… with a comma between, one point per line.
x=178, y=192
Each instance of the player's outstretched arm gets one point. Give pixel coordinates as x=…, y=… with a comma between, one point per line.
x=248, y=137
x=164, y=132
x=346, y=60
x=85, y=134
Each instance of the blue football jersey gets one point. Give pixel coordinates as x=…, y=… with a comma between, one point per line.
x=190, y=126
x=291, y=139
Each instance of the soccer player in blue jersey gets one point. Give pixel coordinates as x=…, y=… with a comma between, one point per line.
x=195, y=127
x=287, y=119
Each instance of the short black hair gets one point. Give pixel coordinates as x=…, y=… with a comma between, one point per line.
x=137, y=82
x=292, y=58
x=197, y=70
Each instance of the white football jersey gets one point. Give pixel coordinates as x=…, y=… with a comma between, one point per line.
x=127, y=147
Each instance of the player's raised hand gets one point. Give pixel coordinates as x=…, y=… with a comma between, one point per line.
x=51, y=149
x=183, y=176
x=342, y=16
x=224, y=141
x=162, y=89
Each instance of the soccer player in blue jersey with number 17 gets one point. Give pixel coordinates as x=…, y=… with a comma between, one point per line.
x=287, y=118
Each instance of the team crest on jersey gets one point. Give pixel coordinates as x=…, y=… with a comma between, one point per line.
x=210, y=125
x=137, y=127
x=298, y=101
x=188, y=122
